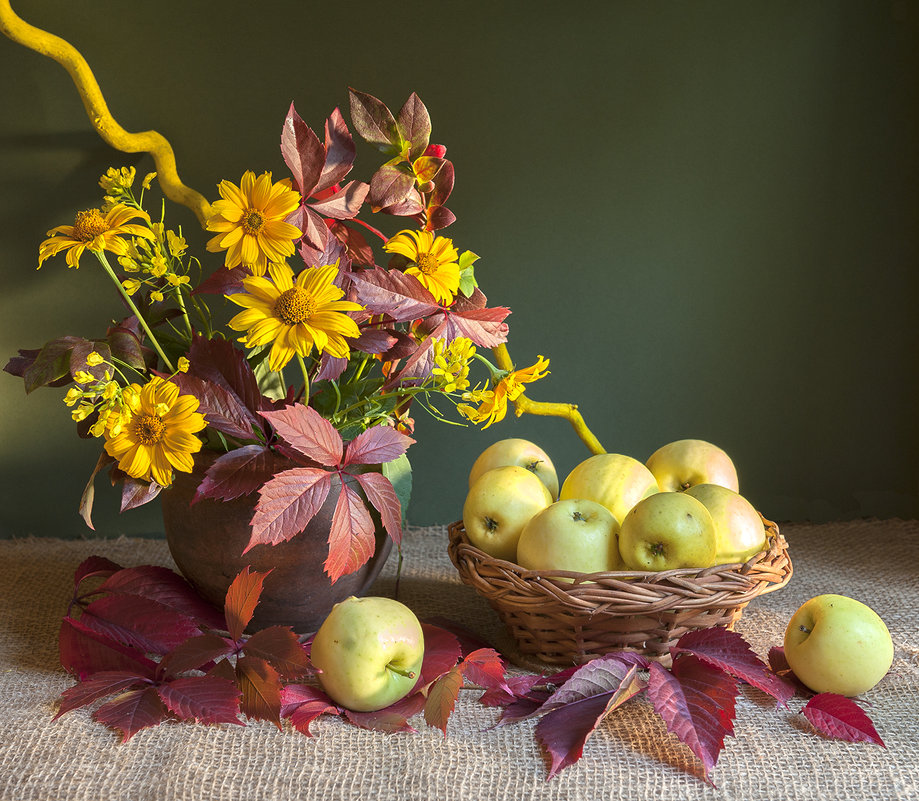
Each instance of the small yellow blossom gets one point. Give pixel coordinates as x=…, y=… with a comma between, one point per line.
x=156, y=295
x=72, y=396
x=94, y=359
x=158, y=265
x=117, y=182
x=184, y=364
x=131, y=285
x=177, y=280
x=451, y=364
x=177, y=244
x=82, y=411
x=148, y=180
x=82, y=377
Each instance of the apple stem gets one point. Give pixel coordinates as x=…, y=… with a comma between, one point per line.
x=805, y=629
x=409, y=674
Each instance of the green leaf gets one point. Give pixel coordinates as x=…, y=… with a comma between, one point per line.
x=467, y=259
x=399, y=473
x=467, y=283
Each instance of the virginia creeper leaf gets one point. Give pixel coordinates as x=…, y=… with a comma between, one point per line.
x=141, y=622
x=393, y=719
x=374, y=122
x=99, y=685
x=441, y=699
x=280, y=647
x=302, y=152
x=351, y=535
x=135, y=493
x=340, y=152
x=307, y=432
x=725, y=649
x=696, y=702
x=196, y=653
x=219, y=362
x=441, y=653
x=242, y=598
x=132, y=711
x=235, y=473
x=51, y=364
x=260, y=685
x=414, y=124
x=389, y=185
x=224, y=411
x=377, y=445
x=402, y=297
x=94, y=567
x=485, y=668
x=287, y=503
x=84, y=652
x=841, y=718
x=383, y=496
x=343, y=204
x=206, y=699
x=303, y=703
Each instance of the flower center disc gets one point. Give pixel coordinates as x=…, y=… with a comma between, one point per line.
x=252, y=221
x=149, y=429
x=427, y=263
x=294, y=306
x=88, y=225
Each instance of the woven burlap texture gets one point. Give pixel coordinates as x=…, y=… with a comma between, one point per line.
x=774, y=754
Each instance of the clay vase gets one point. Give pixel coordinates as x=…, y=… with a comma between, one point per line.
x=207, y=539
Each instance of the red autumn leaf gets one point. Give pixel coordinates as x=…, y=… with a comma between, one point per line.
x=344, y=203
x=223, y=281
x=280, y=647
x=242, y=598
x=351, y=535
x=468, y=640
x=721, y=648
x=85, y=652
x=301, y=704
x=441, y=698
x=381, y=493
x=307, y=432
x=236, y=473
x=206, y=699
x=374, y=121
x=287, y=503
x=392, y=719
x=339, y=152
x=196, y=653
x=260, y=685
x=414, y=125
x=778, y=664
x=841, y=718
x=354, y=242
x=219, y=362
x=696, y=702
x=515, y=687
x=390, y=185
x=564, y=730
x=94, y=567
x=377, y=445
x=468, y=317
x=135, y=493
x=132, y=711
x=485, y=668
x=441, y=653
x=391, y=292
x=166, y=586
x=99, y=685
x=224, y=410
x=141, y=622
x=302, y=152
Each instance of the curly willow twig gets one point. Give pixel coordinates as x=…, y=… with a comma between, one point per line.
x=158, y=146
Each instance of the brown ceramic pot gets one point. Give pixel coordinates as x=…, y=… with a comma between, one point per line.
x=207, y=539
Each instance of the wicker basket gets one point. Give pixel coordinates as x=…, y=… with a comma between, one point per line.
x=569, y=622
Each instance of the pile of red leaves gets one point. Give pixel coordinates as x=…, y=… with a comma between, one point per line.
x=145, y=637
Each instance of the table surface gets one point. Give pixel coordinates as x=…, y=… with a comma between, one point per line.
x=775, y=754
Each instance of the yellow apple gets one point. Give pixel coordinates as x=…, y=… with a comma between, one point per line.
x=517, y=451
x=499, y=504
x=836, y=644
x=739, y=529
x=615, y=481
x=574, y=534
x=369, y=652
x=686, y=462
x=667, y=531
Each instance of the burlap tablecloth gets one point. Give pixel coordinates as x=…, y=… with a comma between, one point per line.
x=774, y=755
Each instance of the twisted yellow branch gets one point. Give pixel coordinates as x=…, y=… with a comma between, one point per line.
x=523, y=405
x=111, y=132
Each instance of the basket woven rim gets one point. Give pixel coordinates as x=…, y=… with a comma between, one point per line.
x=636, y=591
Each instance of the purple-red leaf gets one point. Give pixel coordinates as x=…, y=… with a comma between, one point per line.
x=196, y=653
x=135, y=493
x=389, y=186
x=287, y=503
x=441, y=699
x=99, y=685
x=374, y=121
x=132, y=711
x=377, y=445
x=441, y=653
x=390, y=292
x=307, y=432
x=841, y=718
x=468, y=317
x=414, y=124
x=302, y=152
x=351, y=535
x=141, y=622
x=564, y=731
x=236, y=473
x=218, y=362
x=166, y=586
x=382, y=495
x=260, y=685
x=224, y=411
x=343, y=204
x=696, y=702
x=206, y=699
x=303, y=703
x=485, y=668
x=281, y=648
x=94, y=567
x=242, y=598
x=393, y=719
x=721, y=648
x=340, y=151
x=85, y=652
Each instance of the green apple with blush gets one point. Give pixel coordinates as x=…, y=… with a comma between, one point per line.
x=574, y=534
x=368, y=652
x=613, y=480
x=520, y=452
x=682, y=464
x=835, y=644
x=739, y=529
x=667, y=531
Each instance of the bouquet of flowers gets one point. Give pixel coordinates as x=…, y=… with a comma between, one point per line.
x=341, y=333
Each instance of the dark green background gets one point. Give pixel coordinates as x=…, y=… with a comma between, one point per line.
x=704, y=213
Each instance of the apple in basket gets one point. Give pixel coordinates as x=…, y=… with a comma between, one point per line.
x=682, y=464
x=520, y=452
x=666, y=531
x=835, y=644
x=369, y=652
x=574, y=534
x=499, y=504
x=615, y=481
x=739, y=529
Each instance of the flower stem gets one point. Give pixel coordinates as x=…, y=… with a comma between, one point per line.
x=306, y=380
x=127, y=299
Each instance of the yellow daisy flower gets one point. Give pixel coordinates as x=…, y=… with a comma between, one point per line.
x=493, y=403
x=434, y=261
x=295, y=314
x=159, y=434
x=93, y=231
x=249, y=221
